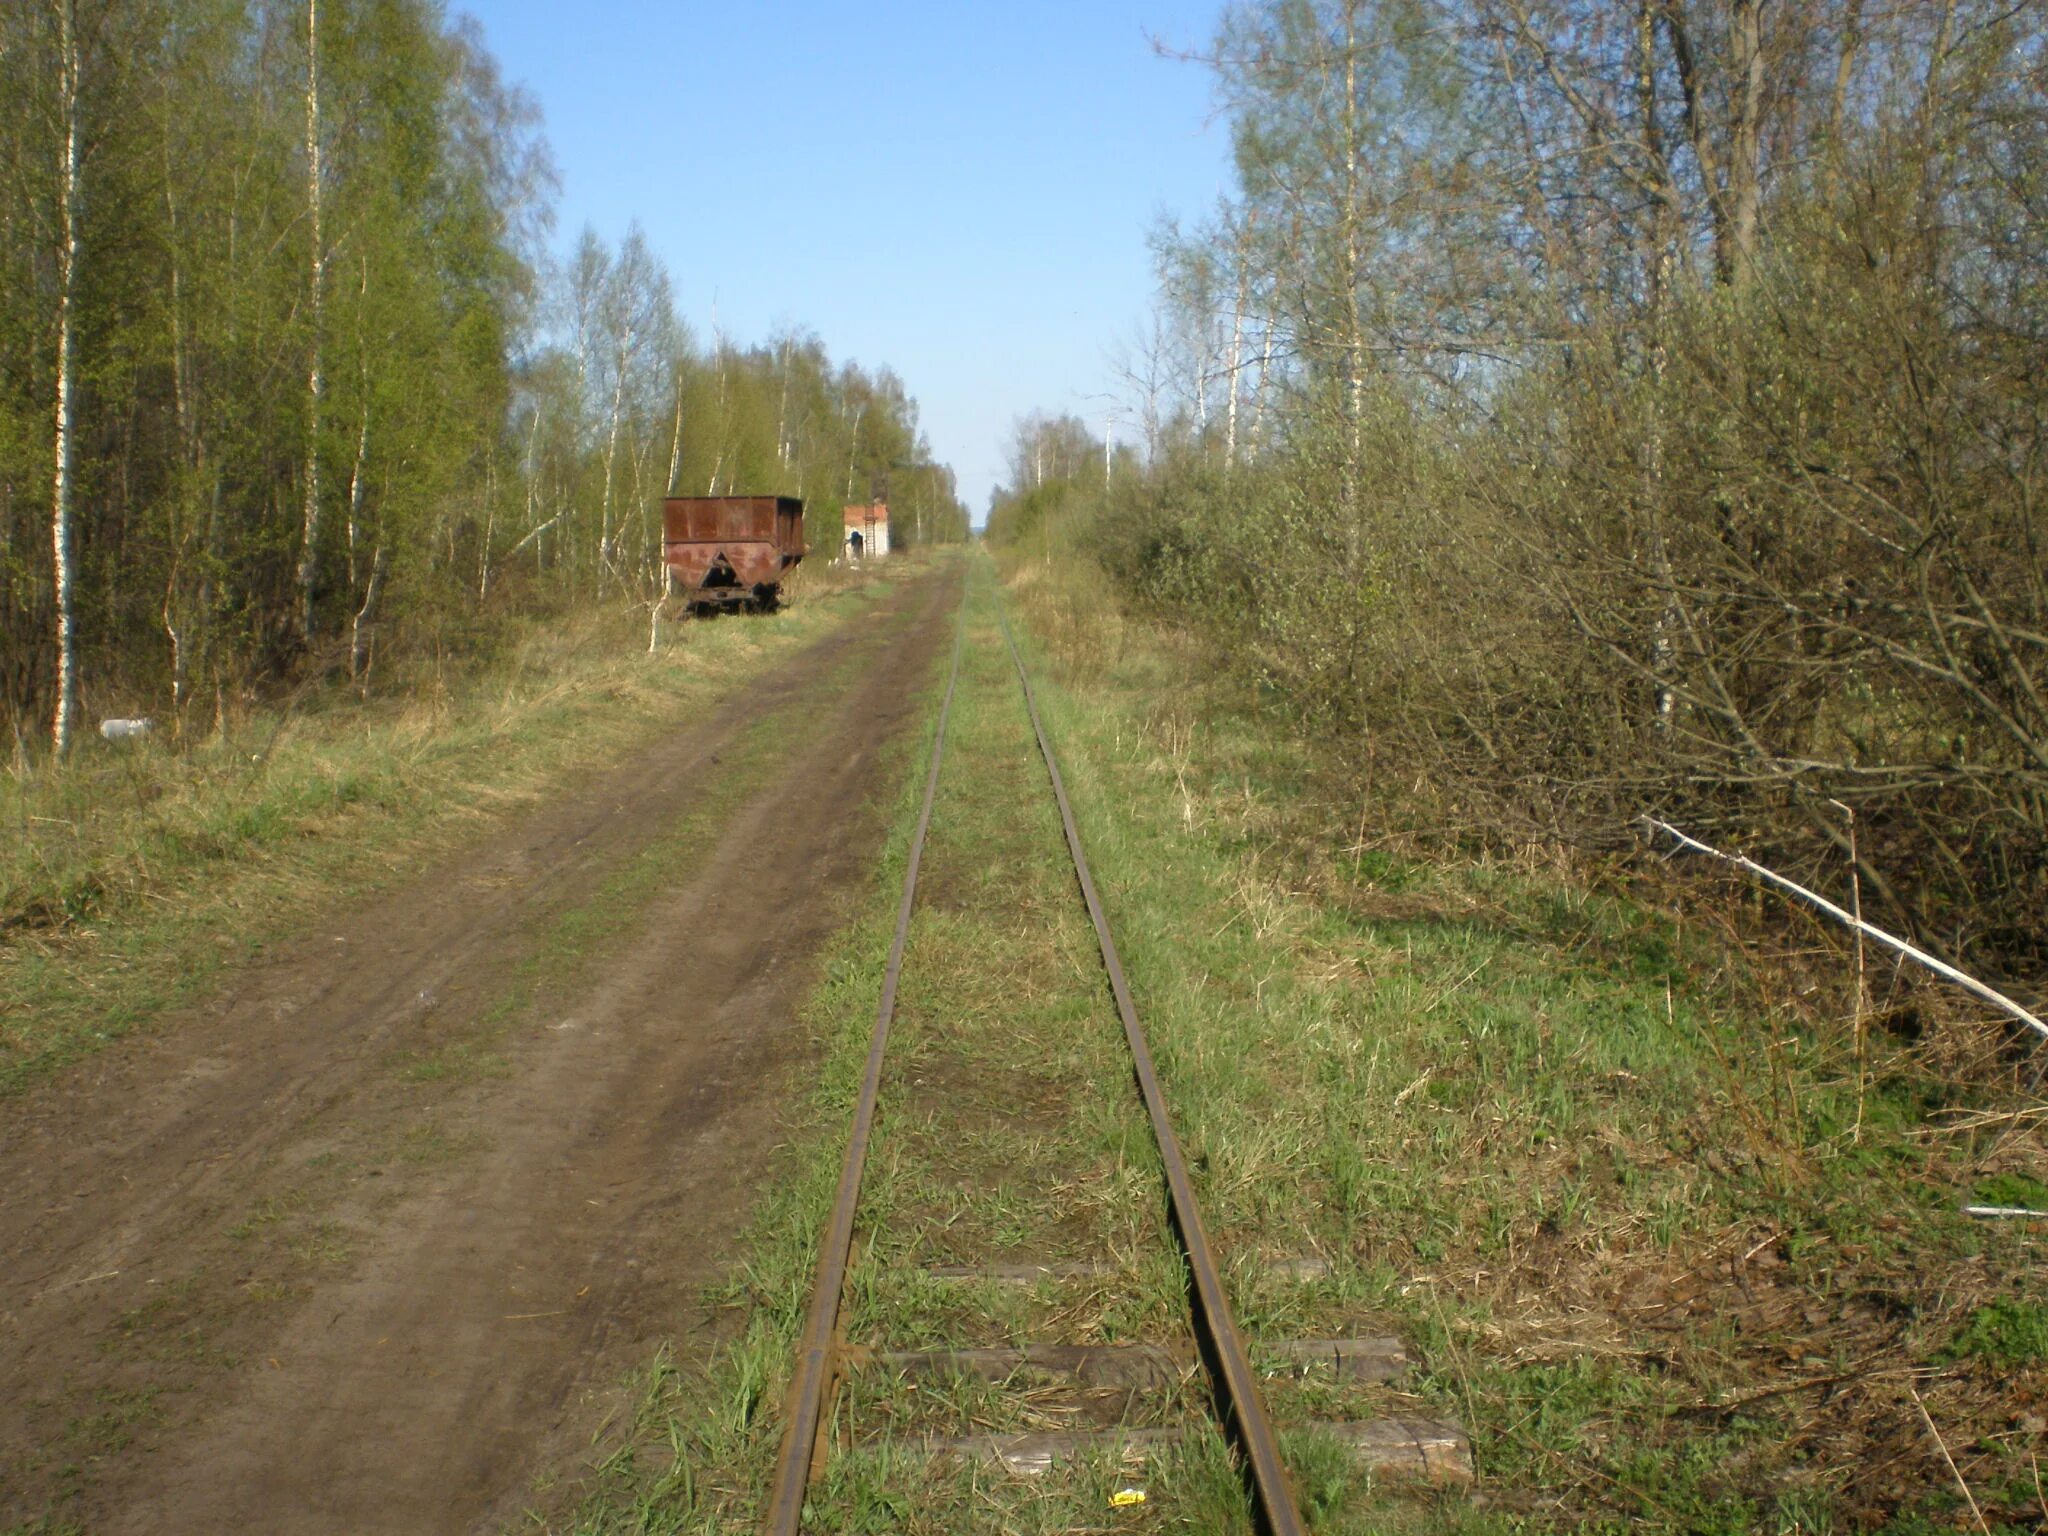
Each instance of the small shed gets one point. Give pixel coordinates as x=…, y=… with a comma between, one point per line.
x=866, y=533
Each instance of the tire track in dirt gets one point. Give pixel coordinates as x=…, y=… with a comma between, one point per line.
x=451, y=1323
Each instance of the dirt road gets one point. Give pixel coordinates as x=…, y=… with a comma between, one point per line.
x=370, y=1243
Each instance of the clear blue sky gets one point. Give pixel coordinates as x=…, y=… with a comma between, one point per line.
x=958, y=189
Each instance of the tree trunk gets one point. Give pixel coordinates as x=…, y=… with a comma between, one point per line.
x=1931, y=158
x=355, y=478
x=718, y=460
x=355, y=474
x=365, y=622
x=853, y=449
x=316, y=304
x=61, y=487
x=1658, y=244
x=675, y=447
x=781, y=412
x=1354, y=269
x=1258, y=429
x=177, y=644
x=483, y=563
x=1244, y=278
x=1745, y=132
x=1849, y=43
x=605, y=562
x=191, y=453
x=1734, y=190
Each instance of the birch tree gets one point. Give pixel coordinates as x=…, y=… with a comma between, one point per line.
x=70, y=62
x=316, y=302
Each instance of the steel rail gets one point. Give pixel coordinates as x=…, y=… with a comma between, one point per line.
x=1244, y=1409
x=806, y=1404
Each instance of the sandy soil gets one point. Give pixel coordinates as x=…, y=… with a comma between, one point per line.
x=262, y=1271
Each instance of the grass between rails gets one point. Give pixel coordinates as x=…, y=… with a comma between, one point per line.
x=136, y=877
x=1675, y=1261
x=1011, y=1130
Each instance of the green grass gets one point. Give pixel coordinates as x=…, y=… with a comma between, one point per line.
x=132, y=880
x=2012, y=1331
x=1010, y=1131
x=2013, y=1191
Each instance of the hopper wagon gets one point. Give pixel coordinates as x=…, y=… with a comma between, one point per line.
x=730, y=551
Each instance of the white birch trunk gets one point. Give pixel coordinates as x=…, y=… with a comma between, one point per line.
x=355, y=474
x=365, y=622
x=188, y=439
x=1354, y=269
x=781, y=411
x=316, y=303
x=355, y=479
x=483, y=575
x=611, y=453
x=61, y=488
x=853, y=449
x=718, y=460
x=1244, y=277
x=675, y=447
x=1258, y=429
x=177, y=642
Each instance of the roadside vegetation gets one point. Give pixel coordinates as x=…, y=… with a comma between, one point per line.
x=1583, y=409
x=1579, y=413
x=1681, y=1247
x=297, y=390
x=129, y=882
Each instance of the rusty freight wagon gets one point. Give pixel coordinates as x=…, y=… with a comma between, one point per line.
x=730, y=551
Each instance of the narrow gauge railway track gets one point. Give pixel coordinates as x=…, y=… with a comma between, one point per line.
x=1238, y=1404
